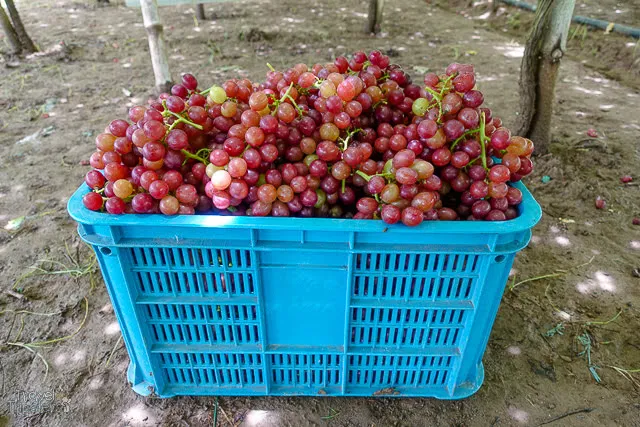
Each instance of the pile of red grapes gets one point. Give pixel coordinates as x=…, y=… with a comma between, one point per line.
x=351, y=139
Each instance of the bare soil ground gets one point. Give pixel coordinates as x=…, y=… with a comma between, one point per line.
x=615, y=55
x=576, y=295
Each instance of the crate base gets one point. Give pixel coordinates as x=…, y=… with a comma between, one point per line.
x=465, y=390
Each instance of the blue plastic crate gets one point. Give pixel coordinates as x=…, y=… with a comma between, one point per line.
x=220, y=305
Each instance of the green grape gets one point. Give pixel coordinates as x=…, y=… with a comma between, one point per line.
x=388, y=166
x=420, y=106
x=308, y=159
x=217, y=94
x=322, y=198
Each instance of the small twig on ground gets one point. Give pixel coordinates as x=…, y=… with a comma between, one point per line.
x=333, y=414
x=76, y=269
x=567, y=414
x=14, y=294
x=215, y=413
x=46, y=365
x=225, y=415
x=113, y=350
x=56, y=340
x=558, y=273
x=602, y=323
x=626, y=373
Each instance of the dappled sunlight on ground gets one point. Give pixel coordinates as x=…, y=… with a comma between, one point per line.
x=95, y=383
x=514, y=350
x=563, y=315
x=511, y=50
x=258, y=418
x=562, y=241
x=138, y=415
x=600, y=281
x=79, y=355
x=60, y=359
x=112, y=328
x=587, y=91
x=518, y=415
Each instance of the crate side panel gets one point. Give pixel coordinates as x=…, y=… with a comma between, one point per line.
x=304, y=303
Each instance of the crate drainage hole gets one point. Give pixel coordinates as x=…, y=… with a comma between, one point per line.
x=499, y=258
x=105, y=251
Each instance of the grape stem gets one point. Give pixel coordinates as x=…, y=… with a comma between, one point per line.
x=179, y=118
x=438, y=95
x=463, y=136
x=282, y=99
x=437, y=98
x=293, y=101
x=344, y=143
x=206, y=91
x=344, y=184
x=364, y=175
x=368, y=177
x=271, y=67
x=381, y=102
x=194, y=156
x=483, y=140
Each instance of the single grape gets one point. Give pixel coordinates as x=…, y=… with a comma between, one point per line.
x=411, y=216
x=367, y=205
x=308, y=197
x=390, y=214
x=495, y=215
x=499, y=173
x=92, y=201
x=237, y=167
x=122, y=188
x=142, y=203
x=221, y=179
x=169, y=205
x=115, y=205
x=94, y=179
x=187, y=194
x=159, y=189
x=447, y=214
x=390, y=193
x=219, y=95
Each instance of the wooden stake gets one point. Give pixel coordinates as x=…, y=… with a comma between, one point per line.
x=157, y=48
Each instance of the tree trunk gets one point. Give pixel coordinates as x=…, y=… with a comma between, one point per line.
x=540, y=65
x=200, y=12
x=25, y=40
x=374, y=19
x=157, y=48
x=10, y=32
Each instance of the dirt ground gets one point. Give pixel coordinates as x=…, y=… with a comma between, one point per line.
x=575, y=294
x=613, y=54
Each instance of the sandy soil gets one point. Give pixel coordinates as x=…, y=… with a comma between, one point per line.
x=51, y=108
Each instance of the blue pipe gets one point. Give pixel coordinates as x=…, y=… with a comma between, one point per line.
x=597, y=23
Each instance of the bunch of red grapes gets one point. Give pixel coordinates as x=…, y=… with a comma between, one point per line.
x=351, y=139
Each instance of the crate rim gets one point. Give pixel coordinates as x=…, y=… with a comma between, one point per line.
x=529, y=215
